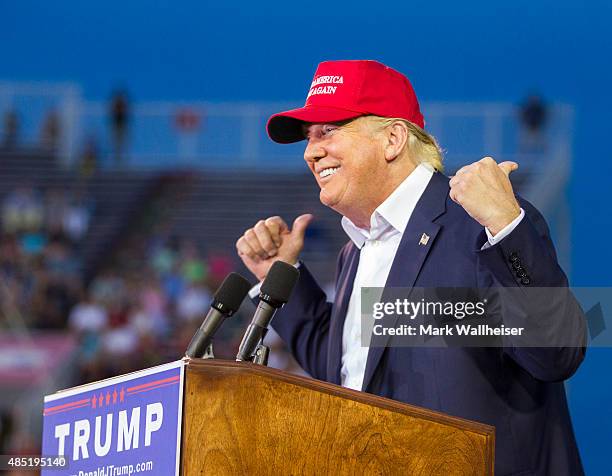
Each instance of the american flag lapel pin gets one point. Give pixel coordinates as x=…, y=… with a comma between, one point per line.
x=424, y=239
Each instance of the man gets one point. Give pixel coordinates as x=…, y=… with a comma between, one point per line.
x=410, y=226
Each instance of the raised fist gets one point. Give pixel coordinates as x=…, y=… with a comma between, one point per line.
x=484, y=191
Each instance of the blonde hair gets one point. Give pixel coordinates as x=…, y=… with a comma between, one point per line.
x=420, y=145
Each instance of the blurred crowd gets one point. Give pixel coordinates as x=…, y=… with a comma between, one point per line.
x=144, y=311
x=139, y=309
x=139, y=306
x=40, y=266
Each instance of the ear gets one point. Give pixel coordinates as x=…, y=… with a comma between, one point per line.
x=396, y=136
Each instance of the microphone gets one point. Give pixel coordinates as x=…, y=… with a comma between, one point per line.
x=226, y=301
x=275, y=292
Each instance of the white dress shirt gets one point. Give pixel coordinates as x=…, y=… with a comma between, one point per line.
x=378, y=247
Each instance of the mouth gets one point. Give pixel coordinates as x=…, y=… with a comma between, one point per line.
x=328, y=172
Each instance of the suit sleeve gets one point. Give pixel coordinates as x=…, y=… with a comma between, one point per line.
x=303, y=323
x=524, y=260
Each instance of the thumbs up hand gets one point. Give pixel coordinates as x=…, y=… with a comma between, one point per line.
x=484, y=191
x=271, y=240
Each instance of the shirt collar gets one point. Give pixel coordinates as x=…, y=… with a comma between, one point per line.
x=395, y=211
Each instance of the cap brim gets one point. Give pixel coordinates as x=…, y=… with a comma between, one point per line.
x=286, y=127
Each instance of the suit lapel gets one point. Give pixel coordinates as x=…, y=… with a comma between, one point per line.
x=418, y=238
x=345, y=287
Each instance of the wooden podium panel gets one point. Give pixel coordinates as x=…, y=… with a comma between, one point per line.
x=243, y=419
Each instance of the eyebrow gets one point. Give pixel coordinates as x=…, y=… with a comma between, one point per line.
x=306, y=125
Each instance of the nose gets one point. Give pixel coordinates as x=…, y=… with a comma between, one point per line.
x=314, y=151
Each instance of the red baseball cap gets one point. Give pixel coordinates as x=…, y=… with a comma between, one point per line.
x=343, y=90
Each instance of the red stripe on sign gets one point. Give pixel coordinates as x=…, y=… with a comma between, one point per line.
x=47, y=412
x=66, y=405
x=156, y=382
x=153, y=388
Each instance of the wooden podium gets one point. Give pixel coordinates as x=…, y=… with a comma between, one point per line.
x=245, y=419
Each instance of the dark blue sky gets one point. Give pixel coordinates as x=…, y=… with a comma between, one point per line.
x=480, y=50
x=258, y=50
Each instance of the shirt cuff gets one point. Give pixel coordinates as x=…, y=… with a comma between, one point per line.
x=254, y=292
x=493, y=240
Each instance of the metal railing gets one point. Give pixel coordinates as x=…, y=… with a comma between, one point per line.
x=207, y=135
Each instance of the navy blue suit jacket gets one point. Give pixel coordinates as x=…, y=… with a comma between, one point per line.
x=518, y=390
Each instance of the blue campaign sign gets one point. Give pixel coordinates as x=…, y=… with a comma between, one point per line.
x=121, y=426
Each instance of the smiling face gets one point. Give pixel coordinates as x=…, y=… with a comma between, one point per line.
x=348, y=162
